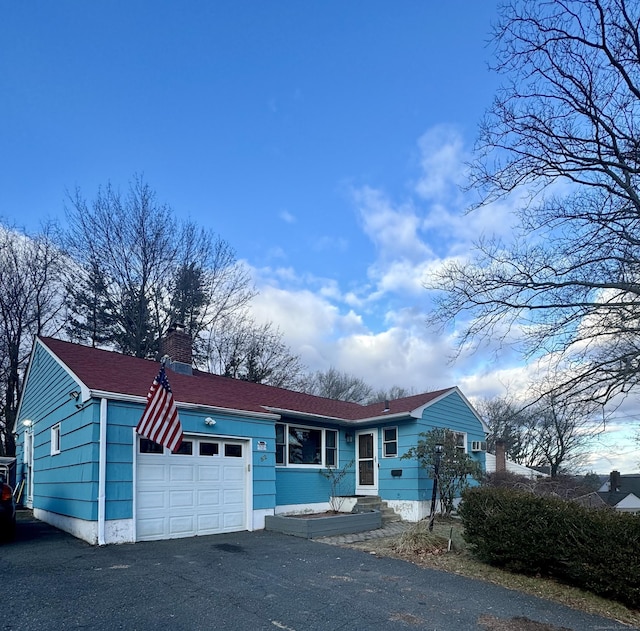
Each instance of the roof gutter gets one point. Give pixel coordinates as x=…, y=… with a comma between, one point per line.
x=340, y=421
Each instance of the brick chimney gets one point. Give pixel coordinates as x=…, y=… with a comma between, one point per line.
x=614, y=481
x=501, y=458
x=178, y=346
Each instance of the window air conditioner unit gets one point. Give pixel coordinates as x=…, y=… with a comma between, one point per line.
x=478, y=445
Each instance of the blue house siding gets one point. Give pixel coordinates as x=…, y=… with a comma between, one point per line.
x=300, y=484
x=451, y=412
x=402, y=487
x=66, y=482
x=123, y=417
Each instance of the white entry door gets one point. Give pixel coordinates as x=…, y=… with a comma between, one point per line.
x=200, y=491
x=367, y=462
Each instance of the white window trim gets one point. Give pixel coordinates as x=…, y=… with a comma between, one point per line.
x=55, y=439
x=323, y=430
x=464, y=434
x=385, y=442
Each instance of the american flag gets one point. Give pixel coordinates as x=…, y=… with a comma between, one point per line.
x=160, y=422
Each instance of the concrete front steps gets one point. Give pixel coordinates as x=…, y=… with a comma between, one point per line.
x=366, y=503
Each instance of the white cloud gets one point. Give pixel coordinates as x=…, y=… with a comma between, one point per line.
x=287, y=217
x=376, y=327
x=442, y=159
x=393, y=230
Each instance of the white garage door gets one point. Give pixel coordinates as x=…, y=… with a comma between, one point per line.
x=200, y=491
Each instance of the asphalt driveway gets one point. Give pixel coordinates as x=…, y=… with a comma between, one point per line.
x=245, y=581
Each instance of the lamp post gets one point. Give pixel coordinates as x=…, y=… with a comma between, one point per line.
x=436, y=467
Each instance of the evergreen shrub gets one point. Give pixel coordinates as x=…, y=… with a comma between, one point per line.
x=598, y=550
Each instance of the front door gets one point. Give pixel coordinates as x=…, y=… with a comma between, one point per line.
x=367, y=465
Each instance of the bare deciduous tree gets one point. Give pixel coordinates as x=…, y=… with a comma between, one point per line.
x=31, y=304
x=242, y=349
x=152, y=269
x=335, y=384
x=551, y=432
x=395, y=392
x=562, y=137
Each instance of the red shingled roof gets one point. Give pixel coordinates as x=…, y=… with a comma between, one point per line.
x=112, y=372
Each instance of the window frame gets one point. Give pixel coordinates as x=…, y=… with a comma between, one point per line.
x=464, y=447
x=55, y=439
x=333, y=450
x=386, y=442
x=284, y=447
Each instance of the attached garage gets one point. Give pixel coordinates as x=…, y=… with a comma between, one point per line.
x=200, y=490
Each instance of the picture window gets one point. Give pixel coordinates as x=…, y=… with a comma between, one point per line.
x=297, y=445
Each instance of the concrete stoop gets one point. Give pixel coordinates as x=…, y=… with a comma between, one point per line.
x=367, y=503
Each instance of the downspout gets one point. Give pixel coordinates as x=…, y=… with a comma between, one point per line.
x=102, y=472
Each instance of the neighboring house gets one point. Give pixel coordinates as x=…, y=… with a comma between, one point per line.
x=622, y=492
x=498, y=462
x=513, y=467
x=249, y=450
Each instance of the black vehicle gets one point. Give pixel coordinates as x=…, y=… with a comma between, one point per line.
x=7, y=507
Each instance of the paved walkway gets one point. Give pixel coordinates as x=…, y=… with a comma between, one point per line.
x=390, y=529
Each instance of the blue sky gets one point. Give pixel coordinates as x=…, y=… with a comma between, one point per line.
x=325, y=141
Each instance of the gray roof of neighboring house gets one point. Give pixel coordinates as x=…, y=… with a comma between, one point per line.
x=626, y=484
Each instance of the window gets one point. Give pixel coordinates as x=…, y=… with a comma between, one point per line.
x=55, y=439
x=281, y=443
x=149, y=447
x=233, y=450
x=390, y=442
x=330, y=447
x=209, y=449
x=461, y=441
x=296, y=445
x=185, y=449
x=305, y=445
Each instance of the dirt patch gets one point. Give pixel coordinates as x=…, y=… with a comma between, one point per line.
x=316, y=515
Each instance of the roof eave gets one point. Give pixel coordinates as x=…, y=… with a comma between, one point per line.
x=339, y=421
x=184, y=405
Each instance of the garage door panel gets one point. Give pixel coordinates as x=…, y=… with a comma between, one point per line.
x=183, y=496
x=208, y=473
x=152, y=500
x=181, y=473
x=209, y=498
x=150, y=528
x=233, y=520
x=209, y=524
x=233, y=473
x=233, y=496
x=154, y=472
x=181, y=525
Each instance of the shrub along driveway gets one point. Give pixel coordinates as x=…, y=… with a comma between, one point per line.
x=244, y=581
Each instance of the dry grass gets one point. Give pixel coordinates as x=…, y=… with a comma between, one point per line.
x=427, y=549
